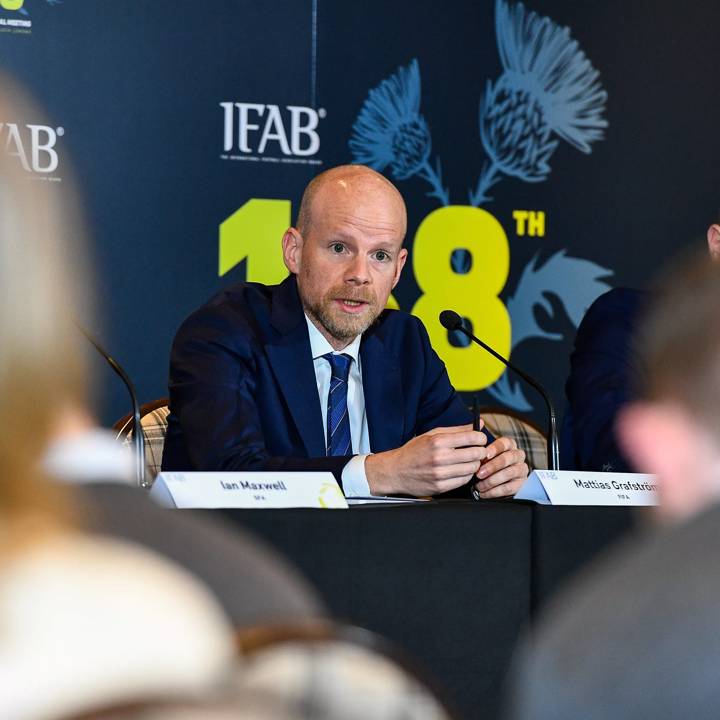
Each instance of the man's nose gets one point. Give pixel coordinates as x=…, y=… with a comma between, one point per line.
x=358, y=270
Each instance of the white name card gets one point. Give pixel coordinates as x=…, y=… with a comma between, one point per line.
x=568, y=487
x=212, y=490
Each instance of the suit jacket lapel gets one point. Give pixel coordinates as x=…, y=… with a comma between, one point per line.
x=382, y=388
x=291, y=361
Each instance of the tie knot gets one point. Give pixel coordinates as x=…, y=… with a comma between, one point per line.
x=340, y=365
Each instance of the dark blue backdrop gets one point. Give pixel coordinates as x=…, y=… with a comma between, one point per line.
x=137, y=86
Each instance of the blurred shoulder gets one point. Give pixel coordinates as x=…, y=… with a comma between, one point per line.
x=618, y=303
x=137, y=625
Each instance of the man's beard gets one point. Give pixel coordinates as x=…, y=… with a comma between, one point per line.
x=343, y=326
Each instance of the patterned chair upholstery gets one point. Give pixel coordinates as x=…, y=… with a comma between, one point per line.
x=526, y=434
x=153, y=416
x=499, y=421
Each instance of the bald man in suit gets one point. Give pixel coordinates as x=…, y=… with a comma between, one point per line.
x=255, y=373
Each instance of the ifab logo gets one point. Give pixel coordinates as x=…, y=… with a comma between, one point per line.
x=15, y=24
x=269, y=133
x=33, y=145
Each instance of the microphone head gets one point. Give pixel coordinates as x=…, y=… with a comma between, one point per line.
x=450, y=320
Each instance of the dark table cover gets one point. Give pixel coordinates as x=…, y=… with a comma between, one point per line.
x=566, y=539
x=452, y=583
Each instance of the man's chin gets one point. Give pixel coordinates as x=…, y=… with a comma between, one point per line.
x=347, y=326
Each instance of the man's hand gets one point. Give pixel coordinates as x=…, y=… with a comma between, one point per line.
x=503, y=471
x=435, y=462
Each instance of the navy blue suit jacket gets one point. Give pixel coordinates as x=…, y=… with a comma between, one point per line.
x=243, y=394
x=603, y=374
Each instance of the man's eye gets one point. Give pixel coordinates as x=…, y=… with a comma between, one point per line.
x=381, y=256
x=338, y=247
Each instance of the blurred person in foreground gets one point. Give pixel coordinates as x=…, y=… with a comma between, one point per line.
x=82, y=619
x=639, y=635
x=45, y=286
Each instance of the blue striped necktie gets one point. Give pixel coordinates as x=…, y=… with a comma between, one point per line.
x=339, y=441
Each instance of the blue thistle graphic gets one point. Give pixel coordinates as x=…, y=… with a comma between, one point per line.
x=548, y=88
x=574, y=281
x=548, y=92
x=390, y=131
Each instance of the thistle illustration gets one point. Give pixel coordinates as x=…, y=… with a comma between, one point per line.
x=548, y=89
x=390, y=131
x=574, y=281
x=548, y=92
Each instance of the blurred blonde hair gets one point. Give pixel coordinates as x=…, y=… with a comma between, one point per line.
x=43, y=284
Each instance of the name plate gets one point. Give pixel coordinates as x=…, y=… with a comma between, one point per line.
x=214, y=490
x=568, y=487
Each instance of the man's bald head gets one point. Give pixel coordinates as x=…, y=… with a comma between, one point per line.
x=344, y=180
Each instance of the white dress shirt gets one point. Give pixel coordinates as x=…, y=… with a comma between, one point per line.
x=353, y=475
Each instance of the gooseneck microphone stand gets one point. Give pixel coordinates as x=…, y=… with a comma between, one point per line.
x=450, y=320
x=138, y=436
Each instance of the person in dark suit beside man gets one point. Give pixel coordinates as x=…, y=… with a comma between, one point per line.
x=314, y=373
x=603, y=375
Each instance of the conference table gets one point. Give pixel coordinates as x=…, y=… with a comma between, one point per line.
x=454, y=584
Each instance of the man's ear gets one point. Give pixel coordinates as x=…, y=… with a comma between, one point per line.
x=713, y=239
x=292, y=243
x=402, y=257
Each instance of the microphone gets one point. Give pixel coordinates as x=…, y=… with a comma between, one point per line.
x=450, y=320
x=138, y=437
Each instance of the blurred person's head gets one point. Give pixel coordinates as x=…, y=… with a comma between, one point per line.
x=673, y=429
x=83, y=620
x=43, y=285
x=350, y=674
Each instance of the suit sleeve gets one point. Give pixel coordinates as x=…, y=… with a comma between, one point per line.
x=215, y=424
x=603, y=369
